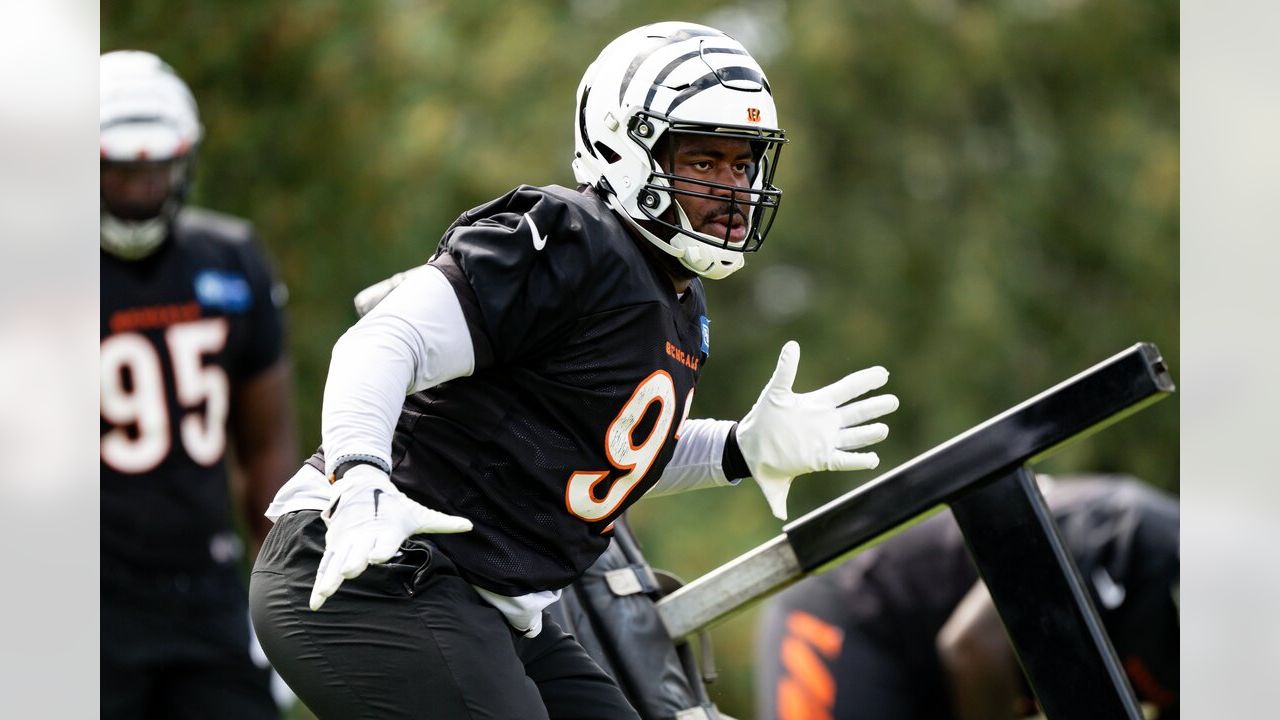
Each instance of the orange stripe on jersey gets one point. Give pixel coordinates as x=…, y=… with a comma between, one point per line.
x=826, y=637
x=807, y=689
x=796, y=704
x=805, y=667
x=1146, y=685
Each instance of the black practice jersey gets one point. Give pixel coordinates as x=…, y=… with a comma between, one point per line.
x=180, y=328
x=586, y=362
x=1123, y=535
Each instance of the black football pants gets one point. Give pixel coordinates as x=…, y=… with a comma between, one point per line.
x=411, y=639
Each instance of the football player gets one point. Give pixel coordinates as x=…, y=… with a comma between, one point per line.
x=906, y=631
x=549, y=352
x=192, y=357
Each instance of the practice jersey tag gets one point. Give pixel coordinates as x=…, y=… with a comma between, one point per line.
x=223, y=290
x=705, y=322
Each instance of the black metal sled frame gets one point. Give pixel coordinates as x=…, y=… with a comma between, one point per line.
x=983, y=475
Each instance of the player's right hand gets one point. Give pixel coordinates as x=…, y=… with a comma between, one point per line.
x=368, y=520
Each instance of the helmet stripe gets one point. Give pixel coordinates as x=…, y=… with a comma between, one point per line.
x=672, y=39
x=582, y=121
x=671, y=67
x=135, y=119
x=718, y=77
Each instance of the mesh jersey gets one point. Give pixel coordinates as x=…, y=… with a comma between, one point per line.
x=180, y=328
x=900, y=593
x=586, y=362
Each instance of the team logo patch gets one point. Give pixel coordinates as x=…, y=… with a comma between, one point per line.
x=223, y=290
x=706, y=334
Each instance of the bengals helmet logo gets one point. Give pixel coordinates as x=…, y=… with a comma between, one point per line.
x=753, y=114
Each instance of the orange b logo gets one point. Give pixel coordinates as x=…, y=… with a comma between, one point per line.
x=753, y=114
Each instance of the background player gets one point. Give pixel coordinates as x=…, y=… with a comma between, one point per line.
x=904, y=631
x=550, y=350
x=192, y=355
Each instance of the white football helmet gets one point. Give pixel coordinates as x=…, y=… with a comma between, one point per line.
x=676, y=77
x=145, y=114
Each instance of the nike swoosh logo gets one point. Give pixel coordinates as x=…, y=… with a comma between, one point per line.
x=376, y=493
x=539, y=240
x=1109, y=591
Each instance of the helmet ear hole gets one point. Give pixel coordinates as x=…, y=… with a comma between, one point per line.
x=607, y=152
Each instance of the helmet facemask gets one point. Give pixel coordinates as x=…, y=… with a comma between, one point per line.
x=755, y=205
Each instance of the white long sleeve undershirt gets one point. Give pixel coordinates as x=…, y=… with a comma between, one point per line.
x=413, y=339
x=696, y=462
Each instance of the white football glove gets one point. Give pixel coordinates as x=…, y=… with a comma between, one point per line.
x=788, y=434
x=368, y=520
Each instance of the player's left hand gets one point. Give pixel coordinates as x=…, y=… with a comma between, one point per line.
x=788, y=434
x=368, y=520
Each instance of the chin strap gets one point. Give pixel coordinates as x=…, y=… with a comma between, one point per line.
x=693, y=256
